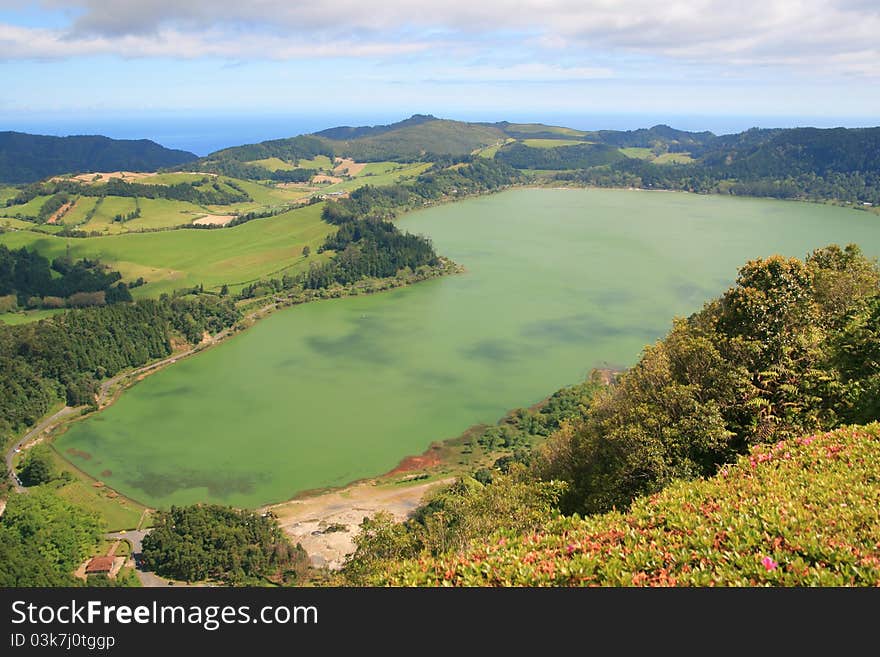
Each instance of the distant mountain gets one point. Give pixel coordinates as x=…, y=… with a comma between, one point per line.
x=649, y=137
x=27, y=158
x=411, y=139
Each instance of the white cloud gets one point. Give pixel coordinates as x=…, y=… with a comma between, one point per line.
x=837, y=36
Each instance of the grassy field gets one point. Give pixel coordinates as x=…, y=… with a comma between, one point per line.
x=551, y=143
x=102, y=220
x=174, y=178
x=379, y=168
x=118, y=512
x=638, y=153
x=318, y=162
x=27, y=316
x=77, y=214
x=164, y=213
x=272, y=164
x=674, y=158
x=29, y=209
x=7, y=193
x=181, y=258
x=540, y=128
x=266, y=195
x=393, y=176
x=10, y=223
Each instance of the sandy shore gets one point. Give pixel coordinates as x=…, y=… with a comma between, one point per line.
x=306, y=520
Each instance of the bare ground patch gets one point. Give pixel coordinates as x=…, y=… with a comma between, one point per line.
x=326, y=524
x=214, y=220
x=322, y=179
x=348, y=167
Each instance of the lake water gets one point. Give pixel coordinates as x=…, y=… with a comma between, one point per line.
x=557, y=282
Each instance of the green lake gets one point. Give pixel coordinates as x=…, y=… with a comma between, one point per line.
x=557, y=282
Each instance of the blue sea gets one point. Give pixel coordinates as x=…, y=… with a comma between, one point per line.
x=204, y=134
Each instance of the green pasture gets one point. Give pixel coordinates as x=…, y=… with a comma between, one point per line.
x=388, y=178
x=540, y=128
x=273, y=164
x=183, y=258
x=551, y=143
x=317, y=162
x=638, y=153
x=29, y=209
x=27, y=316
x=674, y=158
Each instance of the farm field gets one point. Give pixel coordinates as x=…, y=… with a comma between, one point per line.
x=181, y=258
x=29, y=209
x=388, y=178
x=25, y=317
x=638, y=153
x=317, y=162
x=272, y=164
x=551, y=143
x=673, y=158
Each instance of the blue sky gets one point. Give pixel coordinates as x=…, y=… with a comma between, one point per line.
x=808, y=59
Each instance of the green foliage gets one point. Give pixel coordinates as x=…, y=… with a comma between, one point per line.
x=451, y=520
x=221, y=543
x=802, y=512
x=766, y=361
x=44, y=539
x=420, y=137
x=27, y=274
x=579, y=156
x=25, y=158
x=63, y=357
x=37, y=467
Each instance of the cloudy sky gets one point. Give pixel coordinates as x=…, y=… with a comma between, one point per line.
x=803, y=58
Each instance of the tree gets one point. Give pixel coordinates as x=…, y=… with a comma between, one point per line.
x=37, y=467
x=306, y=251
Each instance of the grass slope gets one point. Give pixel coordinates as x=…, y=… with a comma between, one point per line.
x=181, y=258
x=412, y=141
x=804, y=512
x=550, y=143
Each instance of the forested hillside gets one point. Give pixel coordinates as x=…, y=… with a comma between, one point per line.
x=66, y=357
x=800, y=512
x=790, y=350
x=26, y=158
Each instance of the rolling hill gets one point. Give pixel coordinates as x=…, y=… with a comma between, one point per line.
x=27, y=158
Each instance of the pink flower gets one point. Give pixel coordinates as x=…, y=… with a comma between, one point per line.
x=768, y=563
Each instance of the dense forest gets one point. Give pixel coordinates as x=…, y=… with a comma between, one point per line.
x=790, y=349
x=43, y=539
x=576, y=156
x=26, y=158
x=32, y=282
x=233, y=546
x=65, y=358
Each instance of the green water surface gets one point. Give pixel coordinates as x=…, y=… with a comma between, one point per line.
x=557, y=282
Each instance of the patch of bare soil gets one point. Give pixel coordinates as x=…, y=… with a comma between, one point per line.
x=63, y=210
x=348, y=167
x=104, y=176
x=214, y=220
x=325, y=180
x=325, y=524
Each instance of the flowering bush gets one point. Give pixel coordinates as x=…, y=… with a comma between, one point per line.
x=801, y=512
